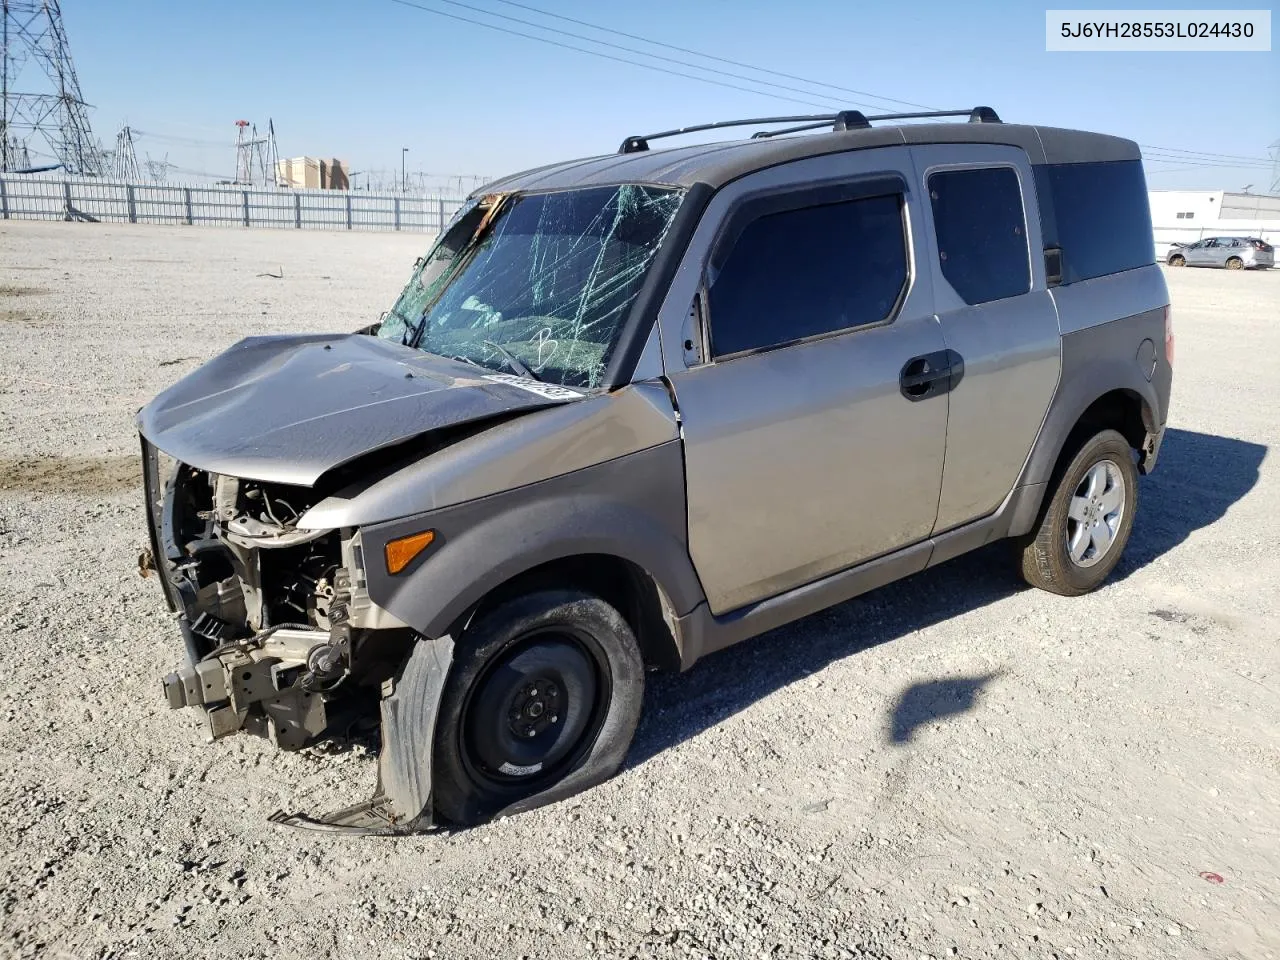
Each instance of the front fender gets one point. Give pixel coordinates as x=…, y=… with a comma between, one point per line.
x=632, y=507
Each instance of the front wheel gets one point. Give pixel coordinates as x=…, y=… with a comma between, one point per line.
x=1088, y=520
x=1177, y=260
x=542, y=701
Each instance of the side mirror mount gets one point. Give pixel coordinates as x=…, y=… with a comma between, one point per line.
x=691, y=334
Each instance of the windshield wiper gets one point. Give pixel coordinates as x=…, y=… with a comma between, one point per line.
x=515, y=363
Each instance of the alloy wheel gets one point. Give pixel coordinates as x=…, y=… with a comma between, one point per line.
x=1095, y=513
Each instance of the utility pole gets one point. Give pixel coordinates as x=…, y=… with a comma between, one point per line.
x=52, y=110
x=404, y=183
x=1275, y=168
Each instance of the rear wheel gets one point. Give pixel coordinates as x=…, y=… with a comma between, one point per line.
x=541, y=702
x=1235, y=263
x=1177, y=260
x=1087, y=523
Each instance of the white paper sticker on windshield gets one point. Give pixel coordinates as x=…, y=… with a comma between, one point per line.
x=552, y=391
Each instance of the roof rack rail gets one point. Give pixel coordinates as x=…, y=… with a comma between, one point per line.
x=844, y=120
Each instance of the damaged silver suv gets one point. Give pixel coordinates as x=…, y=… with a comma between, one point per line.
x=633, y=409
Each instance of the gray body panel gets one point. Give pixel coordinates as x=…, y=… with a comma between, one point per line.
x=805, y=459
x=1010, y=350
x=288, y=409
x=525, y=450
x=1095, y=361
x=631, y=507
x=809, y=459
x=717, y=164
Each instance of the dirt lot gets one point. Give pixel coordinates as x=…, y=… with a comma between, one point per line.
x=952, y=766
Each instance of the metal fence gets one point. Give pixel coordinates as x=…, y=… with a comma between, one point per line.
x=42, y=198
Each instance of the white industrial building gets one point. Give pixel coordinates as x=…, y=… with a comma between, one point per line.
x=1190, y=215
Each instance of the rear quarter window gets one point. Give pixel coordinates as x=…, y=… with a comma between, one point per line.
x=1098, y=214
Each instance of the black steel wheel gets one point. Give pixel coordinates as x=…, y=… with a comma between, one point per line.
x=534, y=709
x=541, y=702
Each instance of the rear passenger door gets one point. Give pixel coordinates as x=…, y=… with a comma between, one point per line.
x=806, y=451
x=995, y=312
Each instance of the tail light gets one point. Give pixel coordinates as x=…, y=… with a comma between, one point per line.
x=1168, y=334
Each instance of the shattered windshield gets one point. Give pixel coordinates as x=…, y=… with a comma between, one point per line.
x=535, y=284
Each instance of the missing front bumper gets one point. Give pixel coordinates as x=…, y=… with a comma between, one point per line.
x=401, y=804
x=255, y=686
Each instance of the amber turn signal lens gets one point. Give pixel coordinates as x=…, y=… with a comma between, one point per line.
x=400, y=552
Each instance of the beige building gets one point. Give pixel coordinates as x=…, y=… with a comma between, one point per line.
x=310, y=173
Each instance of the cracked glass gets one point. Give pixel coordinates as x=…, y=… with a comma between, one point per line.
x=536, y=284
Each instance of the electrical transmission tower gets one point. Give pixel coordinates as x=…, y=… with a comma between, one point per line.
x=42, y=113
x=256, y=157
x=158, y=170
x=125, y=158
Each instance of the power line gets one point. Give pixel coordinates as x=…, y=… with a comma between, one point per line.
x=1195, y=154
x=607, y=56
x=1156, y=173
x=1158, y=153
x=618, y=46
x=1201, y=153
x=186, y=141
x=683, y=63
x=1192, y=161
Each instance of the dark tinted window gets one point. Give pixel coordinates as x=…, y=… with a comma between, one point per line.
x=810, y=271
x=982, y=233
x=1098, y=214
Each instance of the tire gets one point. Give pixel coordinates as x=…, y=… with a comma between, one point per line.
x=1235, y=263
x=1065, y=555
x=1177, y=261
x=541, y=702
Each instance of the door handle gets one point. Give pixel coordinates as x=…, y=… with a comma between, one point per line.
x=931, y=375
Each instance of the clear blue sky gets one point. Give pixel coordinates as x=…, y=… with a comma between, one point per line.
x=361, y=80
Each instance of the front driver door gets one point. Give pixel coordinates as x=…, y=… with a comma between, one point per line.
x=805, y=451
x=1206, y=253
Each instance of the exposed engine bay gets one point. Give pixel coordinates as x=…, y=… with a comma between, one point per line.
x=281, y=637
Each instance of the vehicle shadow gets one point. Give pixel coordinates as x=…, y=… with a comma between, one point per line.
x=1198, y=478
x=922, y=703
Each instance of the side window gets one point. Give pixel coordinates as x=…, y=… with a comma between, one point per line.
x=982, y=233
x=1097, y=213
x=815, y=270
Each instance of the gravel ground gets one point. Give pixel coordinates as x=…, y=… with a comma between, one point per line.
x=951, y=766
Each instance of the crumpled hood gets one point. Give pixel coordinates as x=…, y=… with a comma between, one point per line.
x=289, y=408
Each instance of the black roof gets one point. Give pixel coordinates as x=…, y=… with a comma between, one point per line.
x=717, y=164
